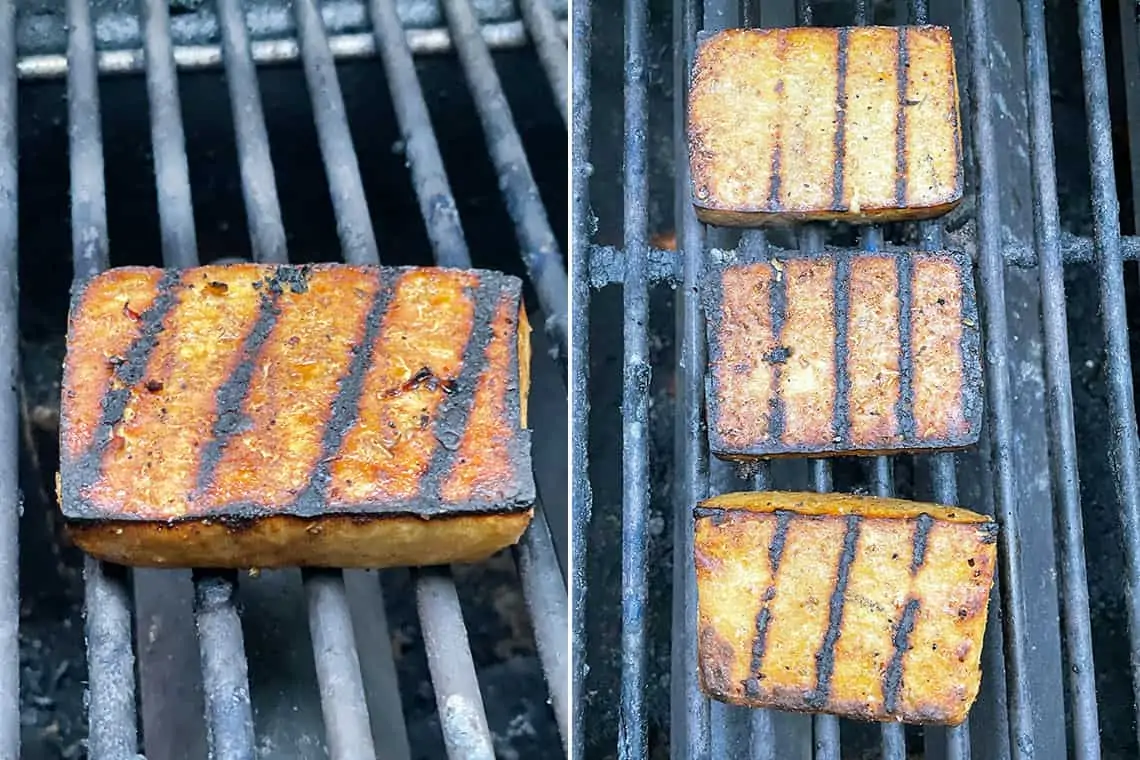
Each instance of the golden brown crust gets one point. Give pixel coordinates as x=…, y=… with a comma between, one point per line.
x=855, y=124
x=842, y=353
x=274, y=398
x=866, y=608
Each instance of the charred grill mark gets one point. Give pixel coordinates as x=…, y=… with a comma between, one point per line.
x=893, y=676
x=904, y=410
x=231, y=397
x=774, y=204
x=840, y=120
x=903, y=64
x=127, y=375
x=779, y=538
x=346, y=405
x=918, y=546
x=455, y=410
x=825, y=657
x=841, y=418
x=969, y=348
x=764, y=617
x=778, y=306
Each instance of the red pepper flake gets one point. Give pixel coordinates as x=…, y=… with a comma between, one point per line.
x=129, y=312
x=217, y=288
x=154, y=386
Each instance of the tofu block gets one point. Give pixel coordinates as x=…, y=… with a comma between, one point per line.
x=856, y=124
x=842, y=353
x=861, y=607
x=264, y=416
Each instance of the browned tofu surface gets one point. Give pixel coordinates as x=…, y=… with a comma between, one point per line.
x=261, y=416
x=842, y=353
x=852, y=124
x=861, y=607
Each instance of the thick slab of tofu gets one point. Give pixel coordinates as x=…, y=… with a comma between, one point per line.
x=854, y=124
x=842, y=353
x=261, y=416
x=861, y=607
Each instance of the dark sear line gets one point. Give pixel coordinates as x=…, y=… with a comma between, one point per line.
x=764, y=617
x=825, y=657
x=841, y=417
x=129, y=373
x=231, y=396
x=774, y=204
x=900, y=128
x=778, y=308
x=918, y=544
x=454, y=412
x=904, y=407
x=840, y=120
x=346, y=406
x=893, y=675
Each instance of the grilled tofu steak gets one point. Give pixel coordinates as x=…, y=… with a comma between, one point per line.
x=842, y=353
x=853, y=124
x=263, y=416
x=861, y=607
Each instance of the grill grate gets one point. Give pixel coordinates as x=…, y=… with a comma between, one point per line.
x=113, y=716
x=1025, y=664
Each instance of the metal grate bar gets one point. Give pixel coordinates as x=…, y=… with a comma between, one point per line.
x=505, y=35
x=259, y=185
x=582, y=504
x=353, y=221
x=632, y=737
x=551, y=47
x=690, y=708
x=1059, y=396
x=466, y=732
x=545, y=593
x=225, y=675
x=229, y=716
x=998, y=389
x=112, y=716
x=347, y=728
x=1124, y=451
x=168, y=141
x=524, y=204
x=537, y=562
x=461, y=712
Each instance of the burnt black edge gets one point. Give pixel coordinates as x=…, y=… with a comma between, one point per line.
x=825, y=657
x=346, y=404
x=901, y=64
x=454, y=412
x=956, y=125
x=893, y=675
x=922, y=528
x=841, y=417
x=778, y=306
x=229, y=401
x=840, y=118
x=88, y=468
x=712, y=299
x=83, y=514
x=973, y=379
x=904, y=407
x=989, y=531
x=518, y=447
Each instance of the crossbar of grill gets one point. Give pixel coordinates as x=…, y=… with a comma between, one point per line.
x=230, y=731
x=698, y=728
